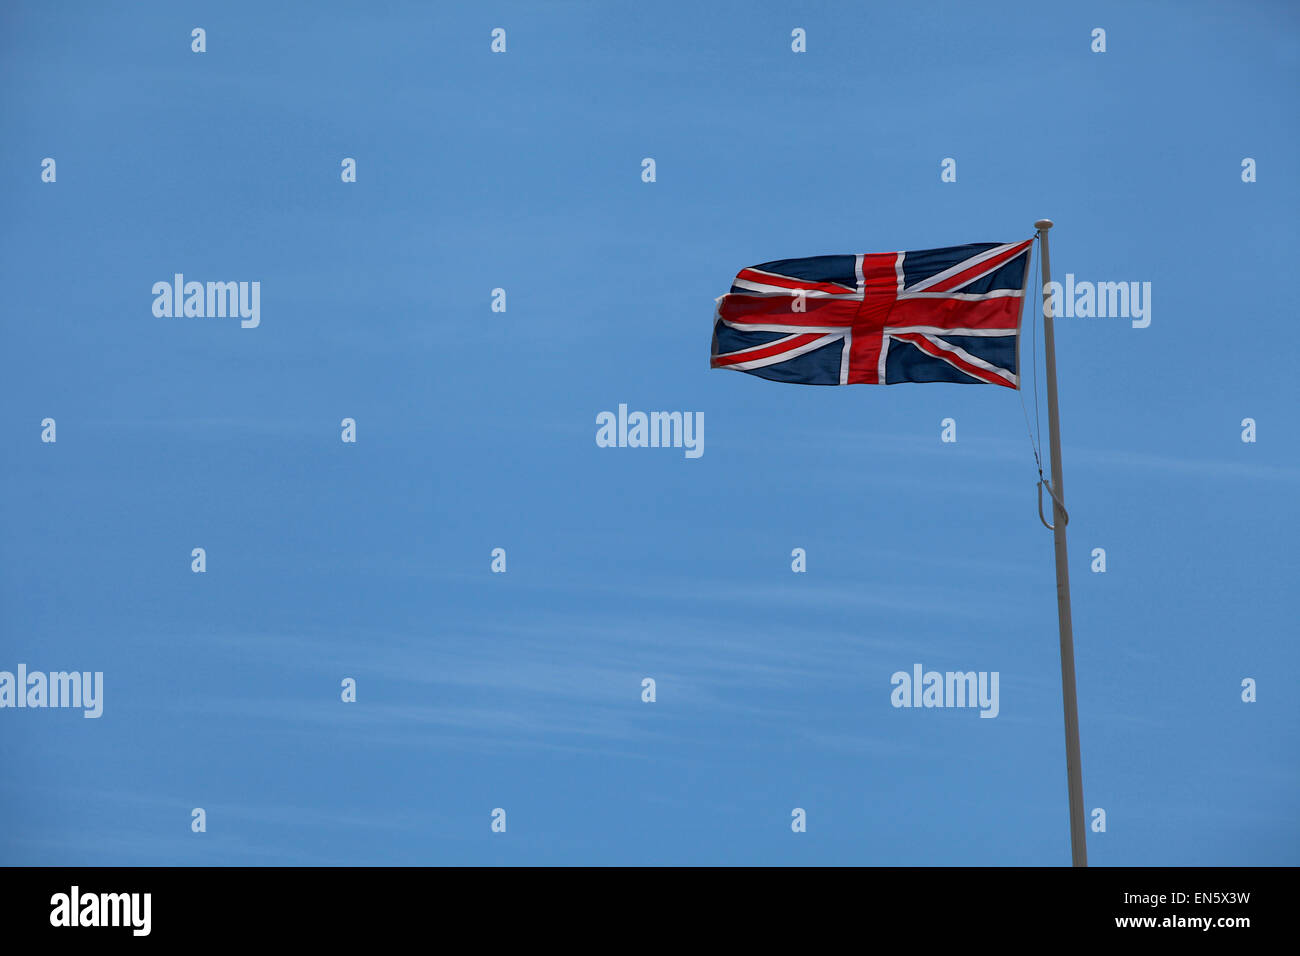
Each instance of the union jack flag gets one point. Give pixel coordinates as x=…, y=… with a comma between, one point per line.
x=935, y=315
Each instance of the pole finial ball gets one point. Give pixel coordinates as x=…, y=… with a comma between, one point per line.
x=1043, y=224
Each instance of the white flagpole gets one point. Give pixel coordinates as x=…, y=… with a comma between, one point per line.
x=1073, y=767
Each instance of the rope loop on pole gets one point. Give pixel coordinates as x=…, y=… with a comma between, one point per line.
x=1065, y=515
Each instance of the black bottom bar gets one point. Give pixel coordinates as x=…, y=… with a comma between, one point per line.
x=658, y=906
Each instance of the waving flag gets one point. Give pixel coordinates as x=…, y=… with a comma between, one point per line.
x=936, y=315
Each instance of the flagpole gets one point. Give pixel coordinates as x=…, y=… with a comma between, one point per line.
x=1069, y=699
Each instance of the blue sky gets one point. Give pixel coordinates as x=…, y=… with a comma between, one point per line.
x=476, y=431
